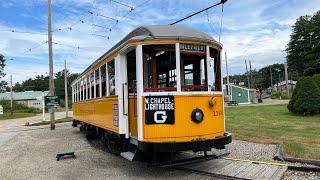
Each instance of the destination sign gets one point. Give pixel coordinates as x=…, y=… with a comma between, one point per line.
x=193, y=48
x=159, y=109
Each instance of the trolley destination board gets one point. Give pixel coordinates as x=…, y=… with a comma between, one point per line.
x=159, y=109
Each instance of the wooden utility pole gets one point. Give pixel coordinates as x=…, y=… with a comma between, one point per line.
x=271, y=79
x=51, y=81
x=247, y=73
x=251, y=74
x=65, y=87
x=11, y=105
x=286, y=76
x=228, y=83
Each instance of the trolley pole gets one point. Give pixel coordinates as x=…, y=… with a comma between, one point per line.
x=51, y=81
x=65, y=87
x=11, y=105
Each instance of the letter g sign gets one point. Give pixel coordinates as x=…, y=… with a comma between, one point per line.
x=163, y=117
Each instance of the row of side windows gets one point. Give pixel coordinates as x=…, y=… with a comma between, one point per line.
x=99, y=83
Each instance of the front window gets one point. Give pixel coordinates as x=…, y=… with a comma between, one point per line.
x=159, y=68
x=193, y=65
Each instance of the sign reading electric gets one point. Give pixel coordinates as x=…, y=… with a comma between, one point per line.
x=159, y=109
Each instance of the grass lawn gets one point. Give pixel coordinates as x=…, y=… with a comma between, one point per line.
x=15, y=115
x=275, y=124
x=56, y=121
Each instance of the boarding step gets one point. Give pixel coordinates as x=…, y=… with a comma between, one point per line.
x=128, y=155
x=134, y=140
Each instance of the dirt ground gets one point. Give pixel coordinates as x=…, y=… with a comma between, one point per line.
x=31, y=154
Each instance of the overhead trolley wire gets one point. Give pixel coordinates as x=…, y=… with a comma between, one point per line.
x=210, y=24
x=84, y=15
x=132, y=9
x=122, y=4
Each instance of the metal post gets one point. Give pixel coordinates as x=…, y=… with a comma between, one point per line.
x=43, y=107
x=228, y=83
x=65, y=87
x=51, y=81
x=11, y=105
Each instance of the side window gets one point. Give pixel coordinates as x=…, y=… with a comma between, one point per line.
x=111, y=80
x=103, y=80
x=215, y=70
x=92, y=84
x=88, y=88
x=84, y=89
x=97, y=80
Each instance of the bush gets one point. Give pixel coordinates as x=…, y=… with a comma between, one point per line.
x=275, y=95
x=316, y=78
x=306, y=97
x=17, y=107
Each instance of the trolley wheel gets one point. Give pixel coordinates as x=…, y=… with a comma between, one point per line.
x=81, y=127
x=113, y=144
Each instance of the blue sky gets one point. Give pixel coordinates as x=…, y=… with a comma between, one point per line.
x=256, y=30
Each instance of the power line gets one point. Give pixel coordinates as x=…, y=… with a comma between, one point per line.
x=23, y=32
x=29, y=50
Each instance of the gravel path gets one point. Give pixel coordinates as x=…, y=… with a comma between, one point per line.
x=30, y=154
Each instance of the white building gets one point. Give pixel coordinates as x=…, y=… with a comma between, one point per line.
x=28, y=98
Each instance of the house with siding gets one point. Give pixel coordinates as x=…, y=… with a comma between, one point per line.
x=28, y=98
x=241, y=94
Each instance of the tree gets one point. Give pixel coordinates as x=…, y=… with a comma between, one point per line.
x=2, y=65
x=4, y=87
x=306, y=100
x=303, y=49
x=316, y=79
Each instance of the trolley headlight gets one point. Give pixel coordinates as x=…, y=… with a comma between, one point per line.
x=197, y=115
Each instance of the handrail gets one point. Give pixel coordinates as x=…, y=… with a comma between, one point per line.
x=123, y=107
x=134, y=98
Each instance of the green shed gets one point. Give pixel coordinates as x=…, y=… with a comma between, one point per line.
x=241, y=94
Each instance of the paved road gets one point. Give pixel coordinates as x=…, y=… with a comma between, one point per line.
x=10, y=128
x=11, y=125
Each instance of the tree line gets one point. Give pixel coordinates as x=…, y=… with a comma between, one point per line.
x=41, y=83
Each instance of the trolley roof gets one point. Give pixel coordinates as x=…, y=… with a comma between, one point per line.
x=157, y=32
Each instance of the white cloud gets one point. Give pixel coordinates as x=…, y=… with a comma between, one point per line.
x=252, y=30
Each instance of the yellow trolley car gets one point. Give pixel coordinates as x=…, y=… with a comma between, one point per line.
x=158, y=90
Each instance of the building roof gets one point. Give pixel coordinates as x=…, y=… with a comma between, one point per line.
x=284, y=83
x=156, y=32
x=27, y=95
x=242, y=87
